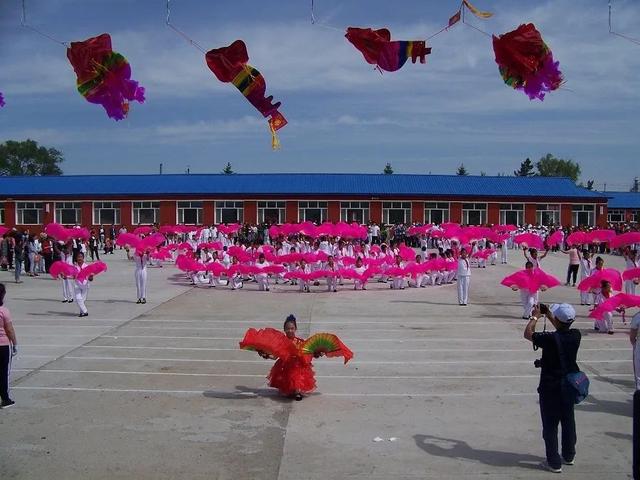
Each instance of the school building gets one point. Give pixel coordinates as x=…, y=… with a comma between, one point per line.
x=623, y=207
x=130, y=200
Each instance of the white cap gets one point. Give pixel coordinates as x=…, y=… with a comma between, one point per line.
x=563, y=312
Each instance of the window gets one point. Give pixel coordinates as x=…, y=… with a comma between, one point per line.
x=354, y=212
x=396, y=212
x=106, y=213
x=29, y=213
x=616, y=215
x=190, y=213
x=635, y=216
x=68, y=213
x=229, y=211
x=437, y=212
x=315, y=212
x=511, y=213
x=1, y=213
x=548, y=214
x=584, y=215
x=474, y=213
x=145, y=212
x=271, y=212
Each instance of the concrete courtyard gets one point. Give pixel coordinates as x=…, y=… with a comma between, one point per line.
x=161, y=391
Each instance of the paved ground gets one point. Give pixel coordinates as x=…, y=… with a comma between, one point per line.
x=160, y=391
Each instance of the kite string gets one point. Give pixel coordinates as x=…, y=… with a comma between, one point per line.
x=314, y=21
x=180, y=32
x=631, y=39
x=23, y=22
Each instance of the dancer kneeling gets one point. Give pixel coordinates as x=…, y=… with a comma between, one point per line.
x=292, y=374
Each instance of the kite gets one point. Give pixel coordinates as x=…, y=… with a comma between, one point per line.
x=378, y=49
x=526, y=62
x=229, y=64
x=475, y=11
x=2, y=104
x=104, y=76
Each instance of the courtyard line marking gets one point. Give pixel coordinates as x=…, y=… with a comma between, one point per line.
x=66, y=326
x=436, y=350
x=515, y=338
x=506, y=321
x=353, y=362
x=269, y=393
x=351, y=377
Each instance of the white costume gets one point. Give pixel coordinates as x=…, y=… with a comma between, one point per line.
x=141, y=275
x=629, y=286
x=81, y=291
x=464, y=277
x=67, y=283
x=262, y=278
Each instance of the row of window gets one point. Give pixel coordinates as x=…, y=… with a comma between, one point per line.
x=274, y=211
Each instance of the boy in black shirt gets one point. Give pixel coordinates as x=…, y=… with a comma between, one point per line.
x=556, y=400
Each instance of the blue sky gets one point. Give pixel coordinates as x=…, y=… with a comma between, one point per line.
x=343, y=116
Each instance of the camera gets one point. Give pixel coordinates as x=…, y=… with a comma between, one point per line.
x=537, y=363
x=544, y=309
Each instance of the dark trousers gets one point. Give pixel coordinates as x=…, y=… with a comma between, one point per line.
x=555, y=410
x=572, y=270
x=94, y=253
x=5, y=364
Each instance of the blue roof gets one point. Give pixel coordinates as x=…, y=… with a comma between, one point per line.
x=623, y=199
x=291, y=184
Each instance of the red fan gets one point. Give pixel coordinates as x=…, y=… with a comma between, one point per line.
x=594, y=281
x=578, y=238
x=270, y=341
x=128, y=239
x=63, y=269
x=555, y=238
x=533, y=280
x=328, y=344
x=619, y=301
x=92, y=269
x=629, y=238
x=530, y=240
x=632, y=274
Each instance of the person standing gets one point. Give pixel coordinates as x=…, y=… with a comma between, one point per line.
x=93, y=247
x=82, y=286
x=8, y=349
x=141, y=259
x=464, y=278
x=18, y=256
x=559, y=352
x=631, y=261
x=633, y=337
x=67, y=283
x=574, y=264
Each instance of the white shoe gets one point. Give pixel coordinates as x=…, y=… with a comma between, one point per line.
x=549, y=468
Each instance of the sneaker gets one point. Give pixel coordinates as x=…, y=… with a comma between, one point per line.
x=545, y=465
x=10, y=403
x=139, y=301
x=144, y=300
x=298, y=397
x=569, y=462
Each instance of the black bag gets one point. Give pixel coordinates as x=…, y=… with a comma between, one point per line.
x=578, y=381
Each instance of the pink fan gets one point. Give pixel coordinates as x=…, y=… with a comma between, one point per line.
x=601, y=236
x=484, y=254
x=229, y=229
x=3, y=230
x=407, y=254
x=128, y=239
x=531, y=280
x=530, y=240
x=578, y=238
x=185, y=246
x=298, y=275
x=274, y=269
x=396, y=271
x=240, y=254
x=142, y=231
x=161, y=255
x=63, y=269
x=505, y=228
x=621, y=300
x=92, y=269
x=555, y=238
x=216, y=268
x=57, y=231
x=629, y=238
x=348, y=261
x=594, y=281
x=632, y=274
x=323, y=274
x=150, y=243
x=169, y=229
x=436, y=234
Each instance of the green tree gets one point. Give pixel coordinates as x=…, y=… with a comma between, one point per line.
x=462, y=170
x=27, y=158
x=526, y=169
x=228, y=170
x=550, y=166
x=388, y=169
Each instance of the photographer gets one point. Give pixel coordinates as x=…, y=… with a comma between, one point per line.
x=556, y=401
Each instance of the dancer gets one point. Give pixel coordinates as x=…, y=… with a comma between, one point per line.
x=66, y=256
x=633, y=337
x=141, y=259
x=292, y=373
x=464, y=278
x=8, y=349
x=605, y=324
x=632, y=262
x=585, y=271
x=528, y=298
x=82, y=286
